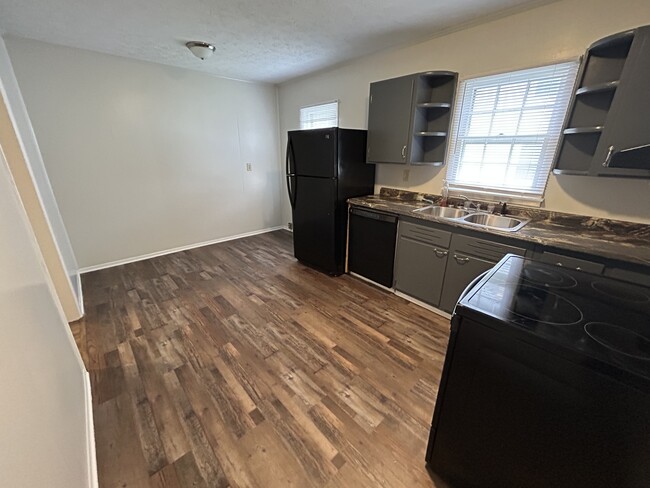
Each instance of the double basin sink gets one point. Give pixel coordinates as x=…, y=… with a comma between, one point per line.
x=477, y=218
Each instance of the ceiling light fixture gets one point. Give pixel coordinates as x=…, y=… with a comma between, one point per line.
x=201, y=50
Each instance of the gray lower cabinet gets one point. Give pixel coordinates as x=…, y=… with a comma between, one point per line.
x=571, y=262
x=461, y=270
x=434, y=265
x=421, y=261
x=636, y=277
x=468, y=258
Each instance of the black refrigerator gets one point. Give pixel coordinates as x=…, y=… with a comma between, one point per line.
x=325, y=167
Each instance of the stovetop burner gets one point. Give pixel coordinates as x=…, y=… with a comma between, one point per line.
x=620, y=291
x=619, y=340
x=539, y=302
x=547, y=276
x=542, y=306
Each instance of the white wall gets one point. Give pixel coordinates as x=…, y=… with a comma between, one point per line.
x=43, y=440
x=26, y=164
x=144, y=157
x=553, y=32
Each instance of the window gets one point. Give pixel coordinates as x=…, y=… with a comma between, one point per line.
x=505, y=131
x=319, y=116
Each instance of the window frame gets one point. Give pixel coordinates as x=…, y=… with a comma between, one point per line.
x=317, y=126
x=533, y=195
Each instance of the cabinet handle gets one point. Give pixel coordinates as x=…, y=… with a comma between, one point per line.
x=608, y=158
x=440, y=254
x=460, y=260
x=403, y=152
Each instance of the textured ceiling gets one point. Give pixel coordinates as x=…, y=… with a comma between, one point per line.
x=260, y=40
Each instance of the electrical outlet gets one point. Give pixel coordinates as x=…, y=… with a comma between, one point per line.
x=405, y=175
x=249, y=166
x=290, y=225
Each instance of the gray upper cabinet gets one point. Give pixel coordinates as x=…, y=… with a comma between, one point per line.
x=409, y=117
x=389, y=120
x=605, y=131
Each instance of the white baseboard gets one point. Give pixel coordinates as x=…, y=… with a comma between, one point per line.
x=120, y=262
x=80, y=298
x=423, y=304
x=404, y=296
x=363, y=278
x=93, y=480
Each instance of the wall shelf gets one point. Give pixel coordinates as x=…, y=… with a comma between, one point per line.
x=434, y=105
x=429, y=163
x=434, y=98
x=609, y=85
x=583, y=130
x=605, y=130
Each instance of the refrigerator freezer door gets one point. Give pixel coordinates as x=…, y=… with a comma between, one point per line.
x=314, y=222
x=313, y=153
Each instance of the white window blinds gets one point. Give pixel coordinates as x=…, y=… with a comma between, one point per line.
x=505, y=131
x=319, y=116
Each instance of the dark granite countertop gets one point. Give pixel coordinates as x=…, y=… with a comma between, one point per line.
x=612, y=239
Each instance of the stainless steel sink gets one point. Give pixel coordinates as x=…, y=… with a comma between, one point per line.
x=502, y=222
x=479, y=219
x=444, y=212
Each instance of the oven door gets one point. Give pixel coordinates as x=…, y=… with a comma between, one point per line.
x=510, y=414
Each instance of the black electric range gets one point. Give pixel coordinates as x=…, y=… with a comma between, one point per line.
x=546, y=382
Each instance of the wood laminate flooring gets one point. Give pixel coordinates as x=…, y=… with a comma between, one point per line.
x=235, y=365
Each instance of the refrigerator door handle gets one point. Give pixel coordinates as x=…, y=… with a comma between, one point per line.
x=289, y=159
x=286, y=159
x=291, y=189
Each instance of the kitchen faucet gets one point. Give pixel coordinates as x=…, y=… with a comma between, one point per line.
x=468, y=202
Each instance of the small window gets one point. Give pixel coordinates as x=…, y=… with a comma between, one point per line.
x=319, y=116
x=505, y=131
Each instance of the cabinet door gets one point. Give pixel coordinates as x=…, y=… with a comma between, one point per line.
x=624, y=149
x=389, y=120
x=420, y=270
x=461, y=270
x=571, y=262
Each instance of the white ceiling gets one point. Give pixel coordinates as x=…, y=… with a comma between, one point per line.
x=260, y=40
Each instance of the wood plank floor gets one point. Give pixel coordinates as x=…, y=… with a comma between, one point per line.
x=234, y=365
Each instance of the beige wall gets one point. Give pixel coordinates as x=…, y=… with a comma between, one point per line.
x=43, y=436
x=553, y=32
x=24, y=158
x=143, y=157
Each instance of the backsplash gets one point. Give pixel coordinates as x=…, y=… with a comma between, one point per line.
x=632, y=232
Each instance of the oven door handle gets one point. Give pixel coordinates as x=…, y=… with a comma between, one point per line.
x=471, y=285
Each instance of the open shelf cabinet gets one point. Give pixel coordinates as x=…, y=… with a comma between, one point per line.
x=434, y=94
x=409, y=118
x=604, y=131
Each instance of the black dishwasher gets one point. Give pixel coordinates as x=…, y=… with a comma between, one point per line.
x=371, y=245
